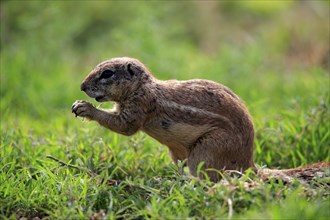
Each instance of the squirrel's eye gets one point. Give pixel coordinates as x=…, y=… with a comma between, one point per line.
x=106, y=74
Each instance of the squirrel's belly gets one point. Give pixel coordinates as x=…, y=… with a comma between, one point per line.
x=175, y=134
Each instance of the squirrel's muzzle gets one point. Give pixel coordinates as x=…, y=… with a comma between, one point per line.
x=83, y=87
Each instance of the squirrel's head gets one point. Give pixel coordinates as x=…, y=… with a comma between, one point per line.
x=115, y=79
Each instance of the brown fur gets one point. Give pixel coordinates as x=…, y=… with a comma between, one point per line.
x=198, y=120
x=304, y=173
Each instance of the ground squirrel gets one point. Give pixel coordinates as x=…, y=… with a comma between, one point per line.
x=199, y=120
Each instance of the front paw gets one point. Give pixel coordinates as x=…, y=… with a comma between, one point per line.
x=83, y=109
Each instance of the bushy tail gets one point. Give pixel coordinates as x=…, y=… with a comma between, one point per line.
x=305, y=173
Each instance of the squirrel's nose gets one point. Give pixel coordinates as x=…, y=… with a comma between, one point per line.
x=83, y=87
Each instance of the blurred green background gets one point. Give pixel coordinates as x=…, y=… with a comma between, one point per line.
x=273, y=54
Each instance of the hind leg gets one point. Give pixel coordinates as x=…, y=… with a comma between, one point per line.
x=219, y=151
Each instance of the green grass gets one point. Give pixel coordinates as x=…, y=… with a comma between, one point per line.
x=275, y=65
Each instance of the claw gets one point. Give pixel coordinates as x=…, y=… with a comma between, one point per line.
x=73, y=105
x=73, y=110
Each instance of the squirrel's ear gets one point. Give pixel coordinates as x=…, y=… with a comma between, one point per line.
x=130, y=70
x=133, y=69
